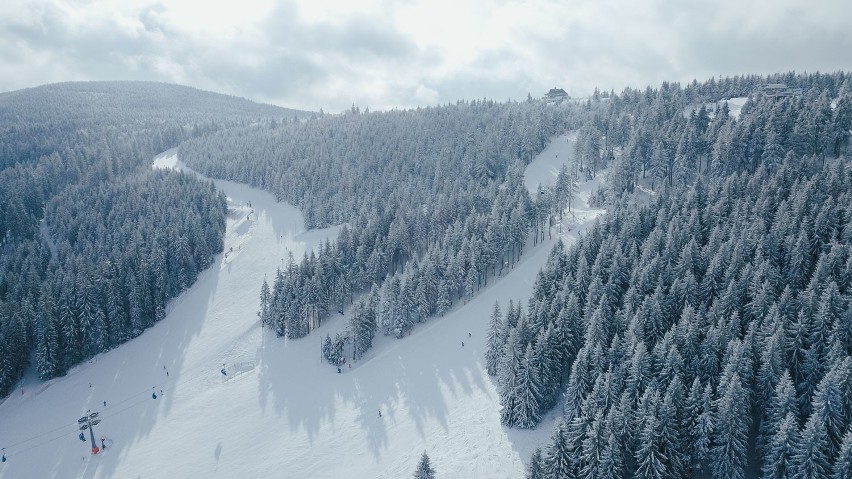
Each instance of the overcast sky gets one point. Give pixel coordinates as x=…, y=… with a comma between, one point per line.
x=383, y=54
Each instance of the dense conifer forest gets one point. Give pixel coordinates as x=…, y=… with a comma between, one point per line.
x=93, y=244
x=683, y=332
x=704, y=332
x=433, y=200
x=702, y=329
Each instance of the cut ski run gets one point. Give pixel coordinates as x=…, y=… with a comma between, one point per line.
x=279, y=410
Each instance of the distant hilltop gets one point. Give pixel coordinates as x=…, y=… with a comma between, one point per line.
x=85, y=98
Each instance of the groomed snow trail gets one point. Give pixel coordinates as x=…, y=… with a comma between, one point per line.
x=280, y=411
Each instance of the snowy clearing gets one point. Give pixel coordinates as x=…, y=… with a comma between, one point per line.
x=735, y=105
x=279, y=411
x=544, y=169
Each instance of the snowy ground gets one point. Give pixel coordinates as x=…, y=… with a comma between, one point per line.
x=280, y=411
x=735, y=105
x=544, y=169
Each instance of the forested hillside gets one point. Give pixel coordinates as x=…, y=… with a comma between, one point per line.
x=92, y=245
x=434, y=198
x=706, y=332
x=671, y=135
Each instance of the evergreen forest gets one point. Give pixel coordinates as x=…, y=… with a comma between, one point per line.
x=92, y=243
x=702, y=329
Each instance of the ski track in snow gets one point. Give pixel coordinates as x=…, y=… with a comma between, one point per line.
x=281, y=411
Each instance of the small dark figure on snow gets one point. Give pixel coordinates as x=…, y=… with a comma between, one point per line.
x=462, y=343
x=468, y=335
x=153, y=393
x=104, y=403
x=223, y=371
x=103, y=446
x=167, y=373
x=380, y=413
x=338, y=370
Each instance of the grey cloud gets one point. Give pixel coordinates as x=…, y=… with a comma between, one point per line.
x=101, y=50
x=282, y=75
x=370, y=61
x=358, y=38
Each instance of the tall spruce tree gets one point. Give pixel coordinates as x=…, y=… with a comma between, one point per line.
x=424, y=468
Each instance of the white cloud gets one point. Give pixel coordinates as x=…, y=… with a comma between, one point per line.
x=384, y=54
x=426, y=95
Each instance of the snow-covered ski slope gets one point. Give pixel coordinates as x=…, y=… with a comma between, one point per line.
x=280, y=411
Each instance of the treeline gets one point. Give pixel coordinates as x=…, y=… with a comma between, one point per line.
x=36, y=122
x=434, y=196
x=149, y=252
x=455, y=264
x=63, y=149
x=706, y=334
x=338, y=167
x=671, y=135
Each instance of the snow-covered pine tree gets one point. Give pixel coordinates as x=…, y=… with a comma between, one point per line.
x=842, y=468
x=730, y=441
x=536, y=469
x=424, y=468
x=527, y=395
x=650, y=461
x=779, y=449
x=558, y=461
x=508, y=377
x=363, y=325
x=782, y=403
x=497, y=335
x=265, y=298
x=830, y=404
x=810, y=457
x=593, y=446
